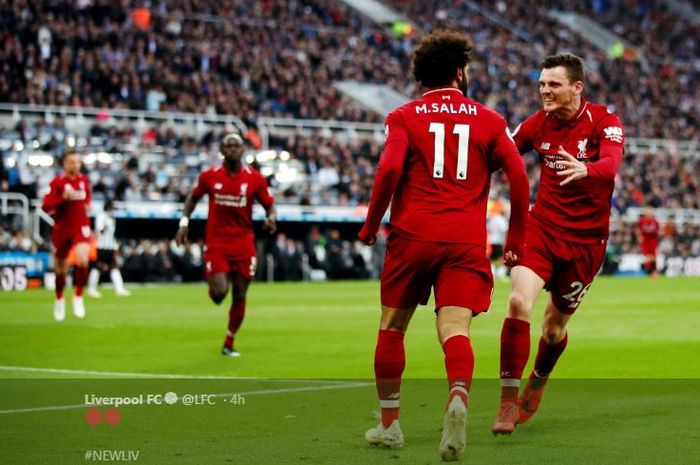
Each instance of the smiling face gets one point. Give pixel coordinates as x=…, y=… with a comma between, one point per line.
x=559, y=95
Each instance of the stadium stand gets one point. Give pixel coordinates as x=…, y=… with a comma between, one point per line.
x=279, y=59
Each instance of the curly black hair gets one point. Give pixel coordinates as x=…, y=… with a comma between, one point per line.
x=438, y=57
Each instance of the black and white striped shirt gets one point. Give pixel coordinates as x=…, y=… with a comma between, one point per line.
x=105, y=225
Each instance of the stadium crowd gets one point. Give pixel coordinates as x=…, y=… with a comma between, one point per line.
x=288, y=54
x=179, y=56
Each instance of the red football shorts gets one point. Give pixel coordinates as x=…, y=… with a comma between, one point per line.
x=460, y=275
x=222, y=261
x=649, y=247
x=65, y=239
x=567, y=268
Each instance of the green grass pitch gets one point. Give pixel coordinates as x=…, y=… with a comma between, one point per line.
x=625, y=391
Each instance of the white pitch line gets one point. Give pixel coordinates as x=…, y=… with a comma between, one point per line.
x=67, y=371
x=228, y=394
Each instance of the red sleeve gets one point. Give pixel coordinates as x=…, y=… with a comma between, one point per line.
x=200, y=189
x=54, y=198
x=522, y=135
x=88, y=193
x=612, y=139
x=509, y=158
x=263, y=194
x=388, y=172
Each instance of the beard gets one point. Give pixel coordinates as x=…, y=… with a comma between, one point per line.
x=464, y=86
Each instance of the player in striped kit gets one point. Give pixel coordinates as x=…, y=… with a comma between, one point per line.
x=107, y=253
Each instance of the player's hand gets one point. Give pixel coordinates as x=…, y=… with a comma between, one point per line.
x=574, y=169
x=367, y=237
x=514, y=250
x=181, y=235
x=270, y=225
x=510, y=259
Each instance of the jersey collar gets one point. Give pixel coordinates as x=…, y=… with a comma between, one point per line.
x=583, y=109
x=440, y=90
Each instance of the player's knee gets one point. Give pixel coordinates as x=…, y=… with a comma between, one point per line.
x=217, y=294
x=518, y=307
x=552, y=334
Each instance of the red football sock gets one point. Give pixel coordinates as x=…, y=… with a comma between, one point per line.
x=515, y=349
x=80, y=276
x=235, y=318
x=547, y=356
x=459, y=363
x=60, y=285
x=389, y=363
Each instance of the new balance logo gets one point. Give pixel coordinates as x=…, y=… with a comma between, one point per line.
x=613, y=133
x=545, y=146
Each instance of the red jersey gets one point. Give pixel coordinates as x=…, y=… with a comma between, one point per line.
x=231, y=196
x=578, y=211
x=649, y=229
x=445, y=144
x=70, y=213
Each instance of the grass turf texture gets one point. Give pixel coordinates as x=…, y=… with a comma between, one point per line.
x=626, y=328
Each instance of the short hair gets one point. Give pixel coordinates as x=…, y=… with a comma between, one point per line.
x=572, y=63
x=68, y=152
x=231, y=137
x=439, y=55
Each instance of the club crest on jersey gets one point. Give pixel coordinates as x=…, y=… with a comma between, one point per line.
x=218, y=186
x=545, y=146
x=244, y=189
x=581, y=145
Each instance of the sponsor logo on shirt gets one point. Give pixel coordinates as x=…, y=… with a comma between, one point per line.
x=613, y=133
x=76, y=194
x=230, y=200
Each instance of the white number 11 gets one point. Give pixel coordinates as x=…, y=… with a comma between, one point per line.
x=462, y=131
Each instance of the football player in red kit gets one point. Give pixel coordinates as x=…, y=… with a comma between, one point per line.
x=435, y=169
x=67, y=202
x=648, y=236
x=230, y=243
x=580, y=146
